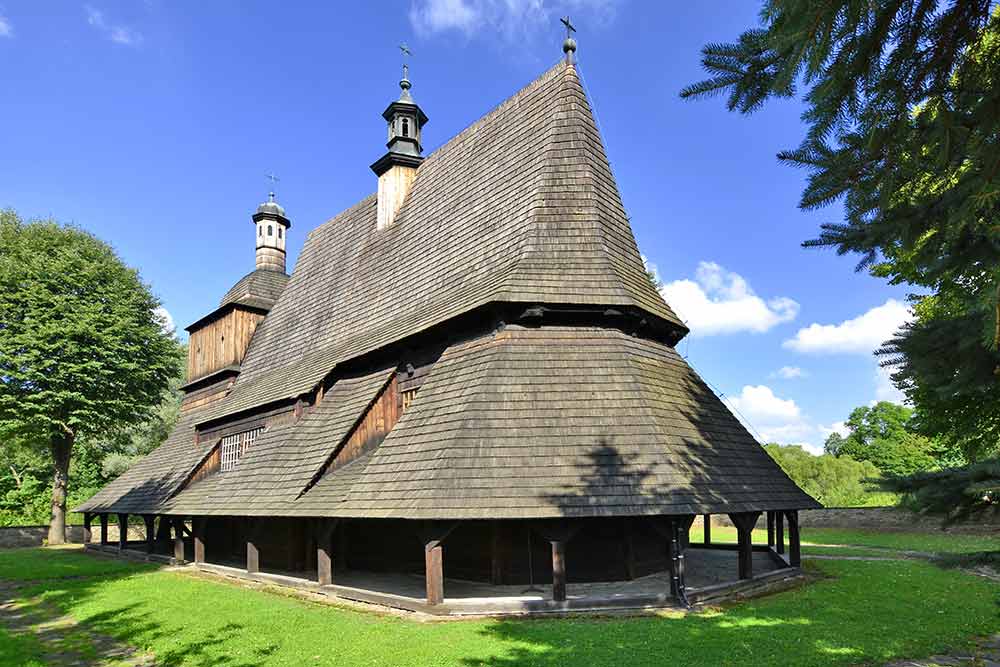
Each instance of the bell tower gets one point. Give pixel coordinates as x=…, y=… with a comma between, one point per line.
x=272, y=230
x=398, y=167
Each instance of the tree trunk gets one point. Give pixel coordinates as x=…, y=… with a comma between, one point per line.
x=61, y=447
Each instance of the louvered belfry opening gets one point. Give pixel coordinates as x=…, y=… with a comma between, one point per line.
x=477, y=384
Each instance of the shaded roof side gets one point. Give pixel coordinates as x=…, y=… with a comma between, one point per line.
x=260, y=289
x=520, y=206
x=147, y=484
x=563, y=422
x=285, y=458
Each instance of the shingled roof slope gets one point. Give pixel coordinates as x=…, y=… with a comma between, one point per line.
x=551, y=422
x=259, y=289
x=519, y=207
x=286, y=457
x=149, y=482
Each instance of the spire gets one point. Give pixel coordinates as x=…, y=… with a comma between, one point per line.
x=397, y=168
x=272, y=230
x=569, y=46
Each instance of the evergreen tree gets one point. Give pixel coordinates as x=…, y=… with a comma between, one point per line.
x=903, y=115
x=82, y=350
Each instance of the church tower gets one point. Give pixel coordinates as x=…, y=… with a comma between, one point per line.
x=272, y=228
x=398, y=167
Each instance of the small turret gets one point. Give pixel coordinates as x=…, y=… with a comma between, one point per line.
x=272, y=229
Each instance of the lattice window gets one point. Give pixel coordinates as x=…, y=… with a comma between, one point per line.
x=408, y=397
x=234, y=446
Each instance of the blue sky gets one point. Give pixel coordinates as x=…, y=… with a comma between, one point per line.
x=152, y=125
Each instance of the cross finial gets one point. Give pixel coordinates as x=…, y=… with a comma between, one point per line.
x=274, y=179
x=405, y=51
x=569, y=46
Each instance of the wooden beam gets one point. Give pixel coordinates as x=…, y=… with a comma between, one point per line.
x=87, y=518
x=324, y=530
x=628, y=547
x=253, y=548
x=179, y=539
x=433, y=534
x=122, y=531
x=745, y=522
x=706, y=525
x=559, y=570
x=686, y=521
x=794, y=543
x=770, y=529
x=779, y=532
x=496, y=559
x=676, y=555
x=104, y=530
x=198, y=530
x=150, y=521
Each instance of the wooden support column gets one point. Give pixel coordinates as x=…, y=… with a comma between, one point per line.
x=432, y=534
x=496, y=557
x=150, y=522
x=163, y=530
x=794, y=544
x=706, y=525
x=559, y=570
x=253, y=546
x=744, y=522
x=198, y=530
x=675, y=551
x=770, y=529
x=324, y=531
x=104, y=530
x=179, y=539
x=122, y=531
x=87, y=518
x=779, y=532
x=686, y=522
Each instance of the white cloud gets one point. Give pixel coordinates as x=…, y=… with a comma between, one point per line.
x=885, y=390
x=789, y=373
x=119, y=34
x=840, y=428
x=759, y=403
x=861, y=335
x=6, y=29
x=166, y=319
x=718, y=301
x=508, y=18
x=774, y=419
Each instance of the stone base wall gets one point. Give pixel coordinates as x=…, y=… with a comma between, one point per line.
x=880, y=518
x=35, y=536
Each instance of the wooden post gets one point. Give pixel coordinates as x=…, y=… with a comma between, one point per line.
x=179, y=539
x=433, y=534
x=253, y=549
x=87, y=518
x=744, y=522
x=794, y=544
x=150, y=520
x=686, y=522
x=706, y=524
x=779, y=532
x=198, y=530
x=770, y=528
x=558, y=570
x=324, y=550
x=676, y=554
x=122, y=532
x=496, y=559
x=104, y=530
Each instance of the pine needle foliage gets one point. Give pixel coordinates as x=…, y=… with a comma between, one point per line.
x=902, y=106
x=957, y=494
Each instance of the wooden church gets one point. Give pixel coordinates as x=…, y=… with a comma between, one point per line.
x=467, y=378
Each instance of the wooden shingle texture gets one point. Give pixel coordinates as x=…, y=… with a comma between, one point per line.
x=519, y=207
x=258, y=289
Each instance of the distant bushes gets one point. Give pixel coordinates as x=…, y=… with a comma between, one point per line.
x=835, y=481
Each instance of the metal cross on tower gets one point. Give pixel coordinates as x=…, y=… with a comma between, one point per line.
x=569, y=46
x=405, y=50
x=274, y=179
x=569, y=26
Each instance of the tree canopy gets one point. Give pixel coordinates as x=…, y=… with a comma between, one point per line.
x=833, y=481
x=903, y=128
x=83, y=353
x=882, y=435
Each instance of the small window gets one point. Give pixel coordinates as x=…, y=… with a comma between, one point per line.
x=270, y=231
x=406, y=127
x=233, y=447
x=260, y=231
x=279, y=232
x=408, y=397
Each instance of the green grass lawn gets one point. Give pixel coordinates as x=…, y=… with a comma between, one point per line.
x=20, y=650
x=856, y=613
x=31, y=564
x=930, y=542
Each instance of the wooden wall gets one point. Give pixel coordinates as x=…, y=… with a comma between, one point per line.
x=375, y=425
x=211, y=464
x=221, y=342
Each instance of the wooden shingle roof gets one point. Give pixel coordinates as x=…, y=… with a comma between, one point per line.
x=519, y=207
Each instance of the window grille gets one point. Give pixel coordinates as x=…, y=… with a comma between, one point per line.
x=408, y=398
x=235, y=446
